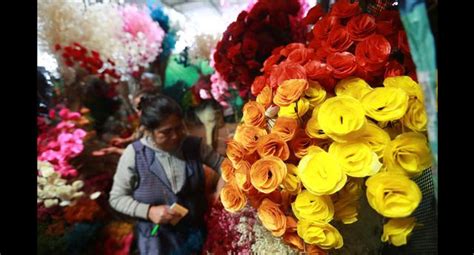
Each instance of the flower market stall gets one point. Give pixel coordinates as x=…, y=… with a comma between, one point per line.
x=324, y=114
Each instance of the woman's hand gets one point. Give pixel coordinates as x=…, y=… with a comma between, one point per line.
x=118, y=141
x=161, y=214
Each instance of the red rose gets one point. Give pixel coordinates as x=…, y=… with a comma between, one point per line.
x=286, y=71
x=270, y=62
x=316, y=70
x=403, y=42
x=388, y=22
x=361, y=27
x=258, y=84
x=339, y=40
x=253, y=65
x=394, y=69
x=313, y=15
x=249, y=47
x=342, y=64
x=372, y=54
x=290, y=48
x=322, y=53
x=235, y=29
x=345, y=9
x=300, y=56
x=233, y=51
x=322, y=28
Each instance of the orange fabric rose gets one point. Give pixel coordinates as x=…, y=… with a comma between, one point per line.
x=256, y=197
x=272, y=217
x=301, y=56
x=227, y=170
x=232, y=198
x=286, y=71
x=265, y=97
x=290, y=91
x=285, y=128
x=291, y=224
x=294, y=241
x=313, y=249
x=273, y=145
x=258, y=84
x=242, y=176
x=266, y=174
x=248, y=136
x=300, y=143
x=288, y=49
x=343, y=64
x=254, y=114
x=235, y=152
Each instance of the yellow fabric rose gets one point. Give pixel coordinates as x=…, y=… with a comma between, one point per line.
x=295, y=110
x=320, y=233
x=315, y=93
x=320, y=172
x=415, y=118
x=313, y=129
x=248, y=136
x=356, y=158
x=352, y=86
x=233, y=199
x=375, y=137
x=346, y=201
x=290, y=91
x=392, y=195
x=285, y=128
x=272, y=217
x=265, y=97
x=385, y=103
x=292, y=182
x=342, y=118
x=308, y=206
x=408, y=153
x=254, y=114
x=396, y=231
x=266, y=174
x=406, y=83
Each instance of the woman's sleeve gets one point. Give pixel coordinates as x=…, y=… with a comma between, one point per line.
x=211, y=157
x=125, y=179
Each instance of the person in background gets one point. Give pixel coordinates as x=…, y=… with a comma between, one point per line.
x=164, y=167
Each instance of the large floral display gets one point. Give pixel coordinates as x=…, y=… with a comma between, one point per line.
x=337, y=117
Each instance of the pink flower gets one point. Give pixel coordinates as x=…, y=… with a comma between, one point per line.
x=139, y=21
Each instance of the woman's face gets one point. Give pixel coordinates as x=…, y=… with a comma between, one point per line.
x=168, y=136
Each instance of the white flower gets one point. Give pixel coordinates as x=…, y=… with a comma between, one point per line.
x=50, y=202
x=95, y=195
x=77, y=185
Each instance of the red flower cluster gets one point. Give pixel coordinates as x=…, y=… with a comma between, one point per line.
x=90, y=61
x=250, y=39
x=83, y=210
x=345, y=42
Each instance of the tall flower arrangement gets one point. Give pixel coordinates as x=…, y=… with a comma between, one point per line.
x=322, y=126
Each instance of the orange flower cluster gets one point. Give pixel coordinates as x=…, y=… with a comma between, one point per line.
x=83, y=210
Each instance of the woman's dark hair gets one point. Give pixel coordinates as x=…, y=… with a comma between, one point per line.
x=155, y=108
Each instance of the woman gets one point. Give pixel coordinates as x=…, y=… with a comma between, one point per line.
x=162, y=168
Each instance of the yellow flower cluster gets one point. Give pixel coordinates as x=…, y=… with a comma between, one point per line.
x=307, y=164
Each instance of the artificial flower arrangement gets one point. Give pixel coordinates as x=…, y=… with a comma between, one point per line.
x=249, y=40
x=325, y=126
x=123, y=34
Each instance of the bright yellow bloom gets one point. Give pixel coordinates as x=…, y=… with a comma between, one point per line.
x=342, y=118
x=356, y=158
x=292, y=182
x=313, y=129
x=295, y=110
x=375, y=137
x=408, y=153
x=385, y=104
x=346, y=201
x=352, y=86
x=315, y=93
x=320, y=172
x=320, y=233
x=406, y=83
x=415, y=118
x=396, y=231
x=308, y=206
x=392, y=195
